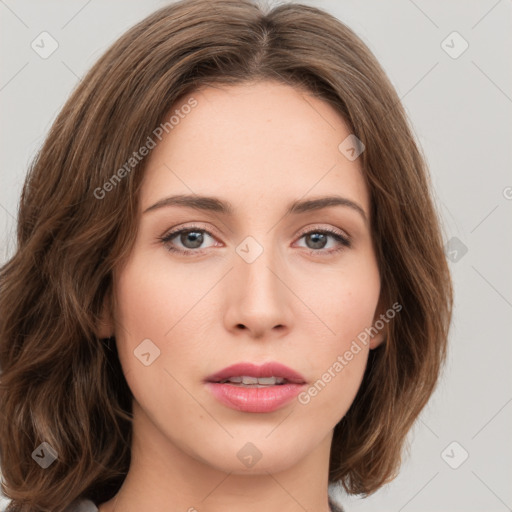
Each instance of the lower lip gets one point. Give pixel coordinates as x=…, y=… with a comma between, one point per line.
x=247, y=399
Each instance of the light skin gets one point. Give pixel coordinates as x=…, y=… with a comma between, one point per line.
x=259, y=146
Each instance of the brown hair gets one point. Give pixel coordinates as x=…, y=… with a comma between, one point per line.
x=63, y=385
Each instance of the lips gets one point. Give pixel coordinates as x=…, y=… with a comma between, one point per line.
x=256, y=391
x=266, y=370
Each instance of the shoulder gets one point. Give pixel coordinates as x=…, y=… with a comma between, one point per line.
x=82, y=505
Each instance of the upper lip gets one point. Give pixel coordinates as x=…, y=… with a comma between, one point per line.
x=269, y=369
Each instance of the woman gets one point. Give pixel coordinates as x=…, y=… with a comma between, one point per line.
x=229, y=289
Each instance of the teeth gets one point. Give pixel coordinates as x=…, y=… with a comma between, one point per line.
x=272, y=381
x=253, y=381
x=234, y=379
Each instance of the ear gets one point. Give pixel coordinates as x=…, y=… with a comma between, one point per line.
x=379, y=324
x=105, y=325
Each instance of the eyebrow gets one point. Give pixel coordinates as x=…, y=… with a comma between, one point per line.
x=214, y=204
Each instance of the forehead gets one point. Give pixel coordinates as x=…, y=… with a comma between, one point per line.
x=263, y=141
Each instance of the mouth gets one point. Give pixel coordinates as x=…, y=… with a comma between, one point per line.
x=246, y=387
x=250, y=375
x=254, y=382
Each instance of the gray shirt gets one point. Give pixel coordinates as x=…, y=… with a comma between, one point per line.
x=82, y=505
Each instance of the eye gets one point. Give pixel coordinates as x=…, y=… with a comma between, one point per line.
x=191, y=238
x=317, y=239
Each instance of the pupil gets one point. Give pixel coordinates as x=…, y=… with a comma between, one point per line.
x=194, y=236
x=316, y=244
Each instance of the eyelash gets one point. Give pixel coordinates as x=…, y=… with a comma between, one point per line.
x=344, y=241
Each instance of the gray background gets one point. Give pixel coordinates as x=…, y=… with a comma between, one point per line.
x=460, y=109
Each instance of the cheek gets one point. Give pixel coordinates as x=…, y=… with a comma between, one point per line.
x=342, y=301
x=151, y=299
x=337, y=368
x=345, y=304
x=148, y=305
x=157, y=303
x=143, y=312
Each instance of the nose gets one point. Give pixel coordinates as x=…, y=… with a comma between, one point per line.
x=259, y=300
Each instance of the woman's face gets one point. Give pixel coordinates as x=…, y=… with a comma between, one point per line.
x=250, y=283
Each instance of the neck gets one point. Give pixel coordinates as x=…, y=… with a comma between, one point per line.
x=164, y=477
